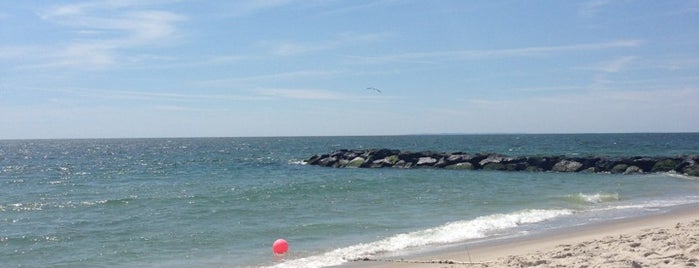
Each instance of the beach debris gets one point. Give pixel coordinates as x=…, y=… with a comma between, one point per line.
x=280, y=246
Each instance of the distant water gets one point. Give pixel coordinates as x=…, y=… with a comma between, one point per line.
x=221, y=202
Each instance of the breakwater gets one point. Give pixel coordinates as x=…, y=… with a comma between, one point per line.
x=385, y=158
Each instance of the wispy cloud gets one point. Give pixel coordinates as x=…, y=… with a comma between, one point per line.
x=354, y=6
x=321, y=94
x=614, y=65
x=305, y=94
x=249, y=7
x=453, y=55
x=592, y=7
x=92, y=94
x=288, y=48
x=676, y=63
x=247, y=80
x=596, y=105
x=618, y=64
x=101, y=29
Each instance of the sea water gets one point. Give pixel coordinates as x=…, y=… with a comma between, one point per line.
x=222, y=202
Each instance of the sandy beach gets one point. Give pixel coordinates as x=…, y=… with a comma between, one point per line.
x=669, y=239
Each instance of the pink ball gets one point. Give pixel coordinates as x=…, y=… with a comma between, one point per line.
x=280, y=246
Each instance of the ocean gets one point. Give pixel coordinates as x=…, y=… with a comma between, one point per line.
x=222, y=202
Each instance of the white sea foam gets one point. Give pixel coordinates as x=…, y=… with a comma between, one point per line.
x=681, y=176
x=448, y=233
x=594, y=198
x=297, y=162
x=653, y=204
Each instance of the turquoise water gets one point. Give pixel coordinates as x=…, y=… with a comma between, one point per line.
x=221, y=202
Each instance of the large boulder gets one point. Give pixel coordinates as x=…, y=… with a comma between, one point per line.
x=567, y=166
x=619, y=168
x=541, y=162
x=356, y=162
x=426, y=161
x=501, y=162
x=633, y=170
x=664, y=165
x=382, y=153
x=691, y=170
x=646, y=164
x=462, y=166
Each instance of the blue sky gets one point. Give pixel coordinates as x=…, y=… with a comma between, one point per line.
x=160, y=68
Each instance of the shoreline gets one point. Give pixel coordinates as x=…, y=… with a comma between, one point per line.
x=669, y=238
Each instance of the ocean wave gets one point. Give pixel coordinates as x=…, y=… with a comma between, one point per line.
x=653, y=204
x=38, y=206
x=680, y=176
x=297, y=162
x=593, y=198
x=448, y=233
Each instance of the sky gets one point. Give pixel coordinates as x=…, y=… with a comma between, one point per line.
x=179, y=68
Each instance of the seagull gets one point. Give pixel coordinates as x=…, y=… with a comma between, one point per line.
x=374, y=89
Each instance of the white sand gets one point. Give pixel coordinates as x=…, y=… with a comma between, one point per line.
x=666, y=240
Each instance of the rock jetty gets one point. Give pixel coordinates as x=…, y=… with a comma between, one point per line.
x=383, y=158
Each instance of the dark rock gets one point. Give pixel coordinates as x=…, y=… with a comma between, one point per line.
x=586, y=162
x=646, y=164
x=403, y=164
x=606, y=164
x=426, y=161
x=619, y=168
x=328, y=161
x=314, y=159
x=534, y=169
x=458, y=158
x=408, y=156
x=633, y=170
x=441, y=163
x=356, y=162
x=664, y=165
x=493, y=158
x=692, y=170
x=567, y=166
x=494, y=166
x=543, y=163
x=463, y=165
x=383, y=153
x=589, y=170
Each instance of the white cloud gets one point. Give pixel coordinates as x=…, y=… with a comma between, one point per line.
x=592, y=7
x=237, y=81
x=676, y=63
x=288, y=48
x=249, y=7
x=18, y=52
x=578, y=112
x=104, y=28
x=618, y=64
x=355, y=6
x=321, y=94
x=452, y=55
x=614, y=65
x=92, y=94
x=305, y=94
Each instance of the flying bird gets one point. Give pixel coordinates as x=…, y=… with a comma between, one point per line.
x=374, y=89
